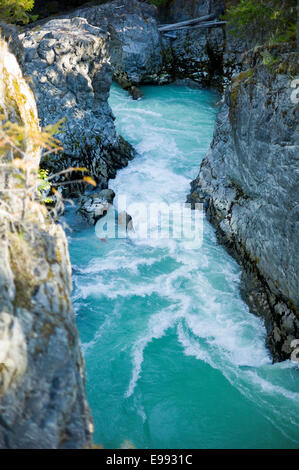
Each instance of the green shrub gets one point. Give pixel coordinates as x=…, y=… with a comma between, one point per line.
x=161, y=3
x=269, y=60
x=265, y=20
x=44, y=186
x=15, y=11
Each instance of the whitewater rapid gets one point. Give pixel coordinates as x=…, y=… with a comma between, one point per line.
x=174, y=357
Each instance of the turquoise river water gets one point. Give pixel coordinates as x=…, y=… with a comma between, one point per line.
x=174, y=358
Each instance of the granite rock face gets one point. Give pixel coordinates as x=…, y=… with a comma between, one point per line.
x=68, y=62
x=249, y=182
x=196, y=53
x=135, y=40
x=180, y=10
x=42, y=386
x=140, y=54
x=207, y=56
x=42, y=380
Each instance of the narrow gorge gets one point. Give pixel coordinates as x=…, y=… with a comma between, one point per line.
x=187, y=343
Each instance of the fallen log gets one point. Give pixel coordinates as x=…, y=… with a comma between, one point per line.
x=170, y=27
x=209, y=24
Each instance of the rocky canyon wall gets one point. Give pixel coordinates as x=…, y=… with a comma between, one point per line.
x=249, y=184
x=42, y=380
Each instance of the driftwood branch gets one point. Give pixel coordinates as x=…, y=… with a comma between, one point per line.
x=209, y=24
x=201, y=22
x=186, y=23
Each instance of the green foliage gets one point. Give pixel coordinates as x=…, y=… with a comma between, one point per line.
x=268, y=59
x=33, y=18
x=289, y=33
x=15, y=11
x=265, y=20
x=18, y=144
x=44, y=186
x=161, y=3
x=17, y=137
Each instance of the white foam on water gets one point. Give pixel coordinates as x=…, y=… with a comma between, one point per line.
x=116, y=262
x=212, y=322
x=139, y=111
x=109, y=319
x=123, y=286
x=157, y=327
x=271, y=389
x=231, y=337
x=112, y=289
x=193, y=348
x=151, y=183
x=277, y=401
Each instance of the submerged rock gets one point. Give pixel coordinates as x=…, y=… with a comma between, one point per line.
x=136, y=93
x=122, y=79
x=249, y=183
x=94, y=206
x=124, y=220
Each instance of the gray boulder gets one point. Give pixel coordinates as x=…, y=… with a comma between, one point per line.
x=125, y=220
x=94, y=206
x=136, y=54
